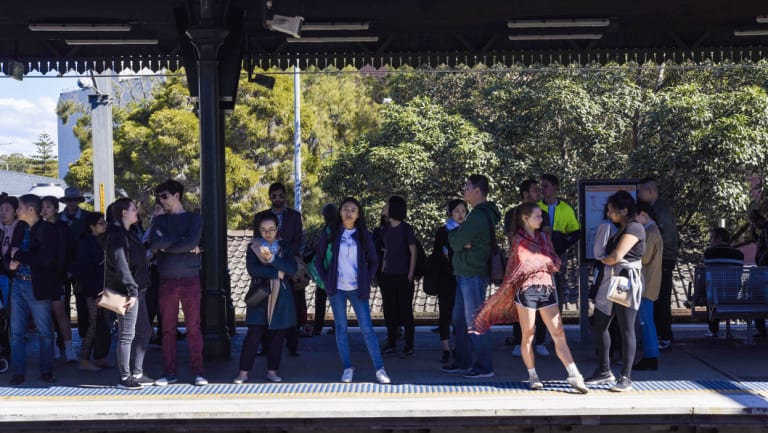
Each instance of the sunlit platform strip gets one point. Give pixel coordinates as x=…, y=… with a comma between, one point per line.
x=372, y=390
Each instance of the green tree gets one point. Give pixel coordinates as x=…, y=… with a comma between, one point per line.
x=45, y=161
x=17, y=162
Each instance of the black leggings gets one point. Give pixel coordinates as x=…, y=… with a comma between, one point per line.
x=626, y=318
x=397, y=303
x=446, y=297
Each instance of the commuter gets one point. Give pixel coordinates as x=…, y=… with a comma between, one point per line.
x=175, y=240
x=396, y=280
x=446, y=280
x=565, y=231
x=624, y=254
x=471, y=243
x=127, y=272
x=153, y=293
x=647, y=191
x=348, y=280
x=654, y=247
x=89, y=272
x=290, y=229
x=330, y=216
x=527, y=289
x=530, y=192
x=35, y=281
x=270, y=262
x=65, y=257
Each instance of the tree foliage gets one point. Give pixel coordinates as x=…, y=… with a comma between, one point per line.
x=45, y=160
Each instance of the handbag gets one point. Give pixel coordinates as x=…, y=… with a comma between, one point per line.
x=431, y=278
x=111, y=299
x=618, y=289
x=257, y=293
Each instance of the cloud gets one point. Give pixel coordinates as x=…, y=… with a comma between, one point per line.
x=23, y=120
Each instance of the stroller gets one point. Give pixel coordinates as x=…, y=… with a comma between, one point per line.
x=5, y=304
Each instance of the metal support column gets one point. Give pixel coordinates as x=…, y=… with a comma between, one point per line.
x=103, y=155
x=207, y=41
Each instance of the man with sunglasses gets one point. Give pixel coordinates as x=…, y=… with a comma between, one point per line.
x=175, y=240
x=290, y=230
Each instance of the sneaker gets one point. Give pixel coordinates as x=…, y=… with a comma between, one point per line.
x=664, y=344
x=388, y=350
x=477, y=375
x=452, y=368
x=240, y=379
x=71, y=355
x=577, y=382
x=167, y=379
x=200, y=381
x=601, y=377
x=16, y=380
x=129, y=383
x=274, y=378
x=382, y=378
x=516, y=351
x=624, y=384
x=541, y=350
x=346, y=377
x=48, y=378
x=144, y=380
x=535, y=383
x=408, y=353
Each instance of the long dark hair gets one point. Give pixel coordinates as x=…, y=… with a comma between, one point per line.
x=359, y=223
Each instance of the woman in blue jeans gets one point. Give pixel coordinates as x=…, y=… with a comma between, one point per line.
x=348, y=278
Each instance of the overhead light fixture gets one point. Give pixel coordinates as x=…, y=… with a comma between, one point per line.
x=334, y=40
x=558, y=23
x=555, y=37
x=111, y=41
x=762, y=19
x=80, y=27
x=753, y=32
x=284, y=24
x=332, y=26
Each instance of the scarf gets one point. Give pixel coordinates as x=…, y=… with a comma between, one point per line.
x=532, y=261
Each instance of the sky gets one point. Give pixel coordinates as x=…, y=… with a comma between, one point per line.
x=28, y=109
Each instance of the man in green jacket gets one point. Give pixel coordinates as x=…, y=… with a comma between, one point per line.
x=471, y=243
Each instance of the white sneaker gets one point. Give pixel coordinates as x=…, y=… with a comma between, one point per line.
x=274, y=378
x=516, y=351
x=240, y=379
x=535, y=383
x=541, y=350
x=577, y=382
x=382, y=377
x=200, y=381
x=346, y=377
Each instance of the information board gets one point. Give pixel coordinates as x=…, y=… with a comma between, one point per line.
x=593, y=194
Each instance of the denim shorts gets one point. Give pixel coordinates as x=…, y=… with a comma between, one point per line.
x=536, y=297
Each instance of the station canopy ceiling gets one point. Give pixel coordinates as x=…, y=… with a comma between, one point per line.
x=64, y=35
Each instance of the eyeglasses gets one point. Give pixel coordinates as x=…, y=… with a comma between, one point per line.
x=163, y=196
x=268, y=231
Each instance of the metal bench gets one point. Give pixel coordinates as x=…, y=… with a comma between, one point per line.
x=734, y=292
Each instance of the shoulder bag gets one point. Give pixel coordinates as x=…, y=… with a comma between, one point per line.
x=110, y=299
x=617, y=289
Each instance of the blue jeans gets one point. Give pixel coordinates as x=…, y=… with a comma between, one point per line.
x=363, y=313
x=23, y=303
x=472, y=351
x=650, y=345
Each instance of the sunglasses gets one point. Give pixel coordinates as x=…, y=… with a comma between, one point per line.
x=163, y=196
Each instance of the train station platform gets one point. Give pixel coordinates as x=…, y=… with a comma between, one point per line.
x=703, y=384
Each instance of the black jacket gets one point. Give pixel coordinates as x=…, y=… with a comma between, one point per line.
x=127, y=264
x=89, y=266
x=42, y=259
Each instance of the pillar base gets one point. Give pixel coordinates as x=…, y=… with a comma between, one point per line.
x=216, y=346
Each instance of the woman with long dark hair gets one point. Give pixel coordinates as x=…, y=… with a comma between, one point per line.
x=348, y=279
x=624, y=252
x=128, y=273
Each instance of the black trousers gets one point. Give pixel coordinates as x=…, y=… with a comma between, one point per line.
x=251, y=344
x=321, y=300
x=397, y=303
x=446, y=298
x=601, y=322
x=662, y=308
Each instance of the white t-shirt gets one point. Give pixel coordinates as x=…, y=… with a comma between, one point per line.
x=347, y=280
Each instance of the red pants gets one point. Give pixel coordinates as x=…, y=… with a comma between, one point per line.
x=187, y=290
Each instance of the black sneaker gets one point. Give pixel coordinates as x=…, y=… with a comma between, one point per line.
x=408, y=353
x=48, y=377
x=600, y=377
x=452, y=368
x=144, y=381
x=130, y=384
x=624, y=384
x=388, y=350
x=17, y=380
x=477, y=374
